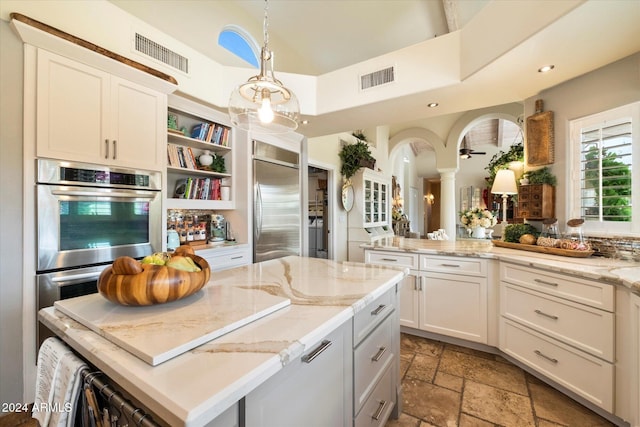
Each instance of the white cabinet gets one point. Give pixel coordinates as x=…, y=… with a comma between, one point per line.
x=635, y=360
x=444, y=295
x=313, y=390
x=224, y=258
x=376, y=361
x=85, y=114
x=369, y=220
x=349, y=378
x=454, y=305
x=561, y=326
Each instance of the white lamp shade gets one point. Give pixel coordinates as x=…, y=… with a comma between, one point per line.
x=504, y=182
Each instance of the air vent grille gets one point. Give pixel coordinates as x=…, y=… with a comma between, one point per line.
x=377, y=78
x=157, y=51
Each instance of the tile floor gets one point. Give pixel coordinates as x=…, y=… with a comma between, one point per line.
x=445, y=385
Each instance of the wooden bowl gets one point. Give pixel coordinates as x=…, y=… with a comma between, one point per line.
x=136, y=284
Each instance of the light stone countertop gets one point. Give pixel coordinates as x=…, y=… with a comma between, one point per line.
x=614, y=271
x=194, y=388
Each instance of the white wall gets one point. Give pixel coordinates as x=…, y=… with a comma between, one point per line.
x=611, y=86
x=11, y=189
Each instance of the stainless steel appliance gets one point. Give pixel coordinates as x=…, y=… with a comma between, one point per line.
x=87, y=216
x=276, y=202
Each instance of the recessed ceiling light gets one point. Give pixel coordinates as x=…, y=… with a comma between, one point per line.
x=546, y=68
x=432, y=104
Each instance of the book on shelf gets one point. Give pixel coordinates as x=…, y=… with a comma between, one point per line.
x=198, y=188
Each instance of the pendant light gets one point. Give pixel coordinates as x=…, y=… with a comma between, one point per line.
x=263, y=104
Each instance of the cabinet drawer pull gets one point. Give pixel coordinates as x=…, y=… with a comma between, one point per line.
x=308, y=358
x=383, y=404
x=390, y=259
x=236, y=257
x=379, y=354
x=550, y=359
x=550, y=316
x=114, y=149
x=451, y=265
x=545, y=282
x=106, y=146
x=378, y=310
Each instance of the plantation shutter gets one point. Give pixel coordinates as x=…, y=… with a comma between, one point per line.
x=605, y=152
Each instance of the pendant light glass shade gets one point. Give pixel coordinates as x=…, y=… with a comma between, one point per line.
x=263, y=104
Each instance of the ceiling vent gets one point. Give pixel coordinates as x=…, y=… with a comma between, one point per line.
x=157, y=51
x=377, y=78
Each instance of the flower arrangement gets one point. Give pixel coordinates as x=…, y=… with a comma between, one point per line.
x=478, y=218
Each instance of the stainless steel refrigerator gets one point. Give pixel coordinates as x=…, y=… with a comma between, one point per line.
x=276, y=202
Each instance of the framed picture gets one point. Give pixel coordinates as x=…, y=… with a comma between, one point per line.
x=539, y=147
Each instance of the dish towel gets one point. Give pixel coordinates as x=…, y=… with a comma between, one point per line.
x=58, y=384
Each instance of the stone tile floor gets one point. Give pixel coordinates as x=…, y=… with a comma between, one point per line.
x=445, y=385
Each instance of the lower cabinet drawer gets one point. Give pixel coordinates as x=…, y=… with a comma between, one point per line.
x=372, y=315
x=400, y=259
x=454, y=265
x=378, y=407
x=581, y=326
x=372, y=358
x=583, y=374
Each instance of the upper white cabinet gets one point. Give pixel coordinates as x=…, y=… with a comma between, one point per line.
x=85, y=114
x=372, y=198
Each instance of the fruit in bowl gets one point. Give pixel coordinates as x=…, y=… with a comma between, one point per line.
x=157, y=279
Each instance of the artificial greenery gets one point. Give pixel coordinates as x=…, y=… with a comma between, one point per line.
x=354, y=156
x=501, y=160
x=541, y=176
x=513, y=232
x=217, y=165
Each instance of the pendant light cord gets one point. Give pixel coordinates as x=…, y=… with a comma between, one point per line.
x=265, y=25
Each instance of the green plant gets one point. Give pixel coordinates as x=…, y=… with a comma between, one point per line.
x=353, y=156
x=616, y=184
x=541, y=176
x=512, y=232
x=501, y=160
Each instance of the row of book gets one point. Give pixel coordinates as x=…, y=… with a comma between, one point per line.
x=211, y=132
x=198, y=189
x=181, y=157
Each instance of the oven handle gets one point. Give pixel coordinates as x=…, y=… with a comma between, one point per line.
x=72, y=279
x=123, y=194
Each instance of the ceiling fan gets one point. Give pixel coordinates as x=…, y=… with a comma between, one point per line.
x=465, y=151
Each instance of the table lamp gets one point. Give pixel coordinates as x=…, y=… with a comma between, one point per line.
x=505, y=184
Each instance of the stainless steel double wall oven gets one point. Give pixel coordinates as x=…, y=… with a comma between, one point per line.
x=87, y=216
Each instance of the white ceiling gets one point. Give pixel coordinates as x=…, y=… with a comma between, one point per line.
x=314, y=37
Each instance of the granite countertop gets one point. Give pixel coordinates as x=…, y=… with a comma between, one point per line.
x=195, y=387
x=615, y=271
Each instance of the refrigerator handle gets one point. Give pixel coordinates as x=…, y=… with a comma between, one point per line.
x=258, y=217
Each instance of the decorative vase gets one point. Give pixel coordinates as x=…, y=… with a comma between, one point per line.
x=479, y=233
x=206, y=159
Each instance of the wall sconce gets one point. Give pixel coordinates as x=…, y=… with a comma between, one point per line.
x=430, y=198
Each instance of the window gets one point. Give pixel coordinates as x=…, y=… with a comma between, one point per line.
x=606, y=184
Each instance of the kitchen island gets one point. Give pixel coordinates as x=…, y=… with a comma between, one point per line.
x=197, y=386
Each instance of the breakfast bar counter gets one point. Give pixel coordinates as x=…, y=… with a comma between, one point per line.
x=196, y=386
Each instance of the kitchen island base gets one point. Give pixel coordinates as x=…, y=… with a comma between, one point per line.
x=261, y=369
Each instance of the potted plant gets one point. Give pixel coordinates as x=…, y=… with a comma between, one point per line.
x=541, y=176
x=357, y=155
x=502, y=159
